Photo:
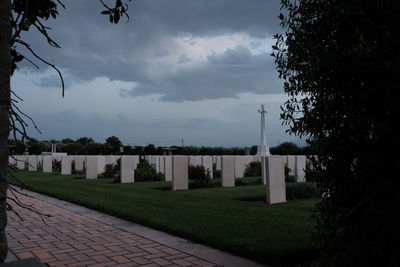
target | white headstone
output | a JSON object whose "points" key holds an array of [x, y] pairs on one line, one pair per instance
{"points": [[218, 163], [291, 164], [195, 160], [180, 174], [208, 164], [32, 163], [40, 159], [240, 164], [228, 171], [128, 164], [157, 163], [274, 175], [101, 164], [47, 164], [168, 168], [21, 161], [162, 164], [66, 165], [109, 160], [91, 167], [12, 161], [79, 162]]}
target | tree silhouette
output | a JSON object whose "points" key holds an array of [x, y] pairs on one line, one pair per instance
{"points": [[339, 60], [17, 17]]}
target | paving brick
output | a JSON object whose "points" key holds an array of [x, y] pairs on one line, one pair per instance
{"points": [[72, 239], [161, 261], [182, 262], [120, 259]]}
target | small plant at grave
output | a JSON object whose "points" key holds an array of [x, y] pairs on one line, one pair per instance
{"points": [[74, 171], [289, 178], [56, 166], [253, 169], [146, 172], [200, 176], [217, 173], [111, 171]]}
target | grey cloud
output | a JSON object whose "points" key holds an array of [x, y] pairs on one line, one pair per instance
{"points": [[184, 58], [54, 81], [92, 47], [226, 75]]}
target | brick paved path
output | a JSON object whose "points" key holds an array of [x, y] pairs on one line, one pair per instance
{"points": [[71, 239]]}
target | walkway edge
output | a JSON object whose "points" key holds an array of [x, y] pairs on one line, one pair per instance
{"points": [[201, 251]]}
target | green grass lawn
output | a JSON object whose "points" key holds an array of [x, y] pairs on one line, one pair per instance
{"points": [[277, 234]]}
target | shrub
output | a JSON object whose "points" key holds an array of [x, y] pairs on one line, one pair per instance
{"points": [[56, 166], [289, 178], [253, 169], [200, 176], [301, 190], [111, 170], [216, 173], [146, 172], [248, 181]]}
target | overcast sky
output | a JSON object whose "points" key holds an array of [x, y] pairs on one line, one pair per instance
{"points": [[196, 70]]}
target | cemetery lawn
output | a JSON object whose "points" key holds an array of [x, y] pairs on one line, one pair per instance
{"points": [[230, 219]]}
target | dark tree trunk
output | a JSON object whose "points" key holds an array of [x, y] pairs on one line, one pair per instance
{"points": [[5, 73]]}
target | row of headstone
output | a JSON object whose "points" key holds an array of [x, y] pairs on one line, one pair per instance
{"points": [[175, 168], [240, 162], [30, 162], [273, 173]]}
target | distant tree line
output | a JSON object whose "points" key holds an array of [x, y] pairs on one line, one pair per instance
{"points": [[113, 146]]}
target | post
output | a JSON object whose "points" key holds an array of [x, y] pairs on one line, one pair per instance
{"points": [[228, 171], [180, 173], [274, 175]]}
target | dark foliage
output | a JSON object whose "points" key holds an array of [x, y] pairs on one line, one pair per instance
{"points": [[56, 166], [111, 171], [201, 176], [253, 169], [146, 172], [340, 63], [216, 173]]}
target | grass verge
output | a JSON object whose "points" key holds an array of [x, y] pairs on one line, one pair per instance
{"points": [[277, 234]]}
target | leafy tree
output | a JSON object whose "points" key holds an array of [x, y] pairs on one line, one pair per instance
{"points": [[286, 148], [150, 149], [16, 17], [113, 145], [34, 147], [72, 148], [67, 141], [85, 140], [339, 60]]}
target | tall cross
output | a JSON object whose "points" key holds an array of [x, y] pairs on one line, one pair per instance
{"points": [[263, 112]]}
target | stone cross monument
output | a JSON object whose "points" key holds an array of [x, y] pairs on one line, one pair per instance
{"points": [[263, 148]]}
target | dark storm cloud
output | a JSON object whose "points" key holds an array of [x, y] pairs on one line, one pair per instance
{"points": [[92, 47], [226, 75]]}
